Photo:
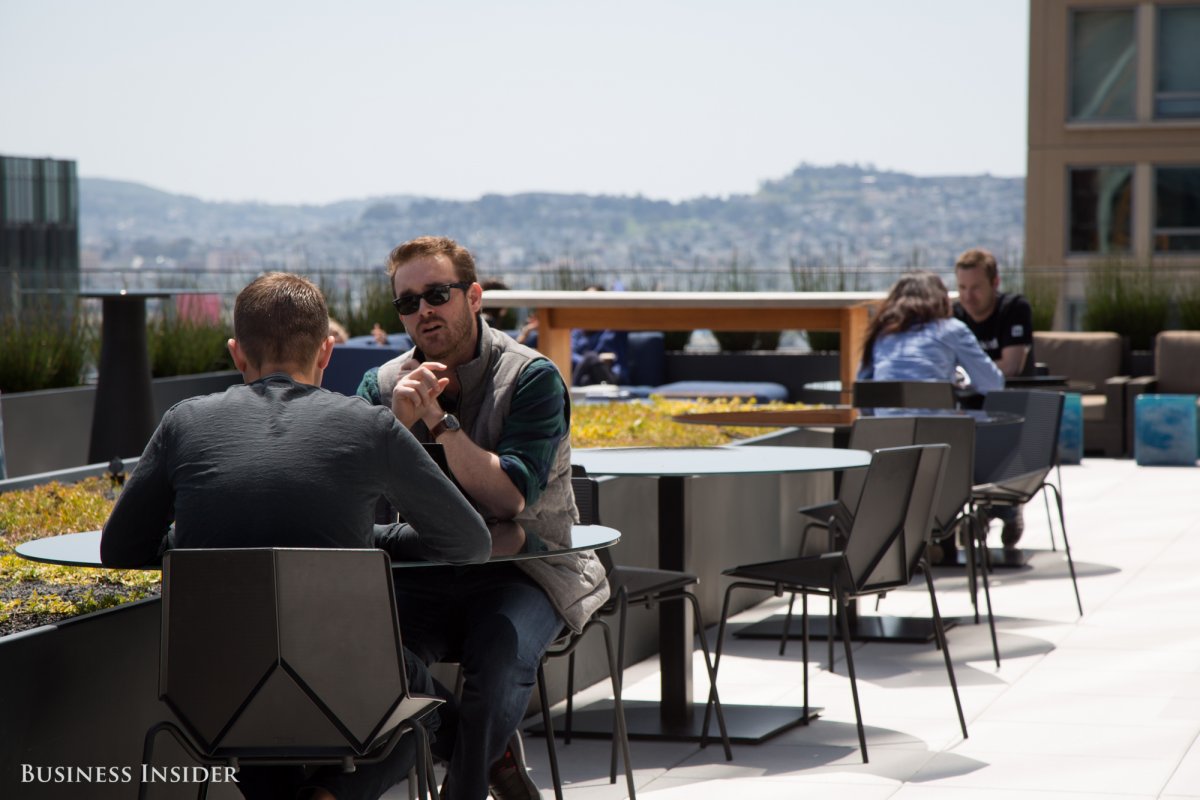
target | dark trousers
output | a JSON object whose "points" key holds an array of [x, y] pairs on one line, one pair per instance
{"points": [[497, 623]]}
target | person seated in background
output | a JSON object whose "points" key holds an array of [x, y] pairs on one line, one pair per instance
{"points": [[338, 331], [1003, 324], [502, 319], [528, 334], [280, 462], [913, 337], [598, 356]]}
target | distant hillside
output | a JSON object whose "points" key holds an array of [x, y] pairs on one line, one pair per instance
{"points": [[817, 217]]}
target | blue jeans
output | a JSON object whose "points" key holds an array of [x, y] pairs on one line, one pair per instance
{"points": [[497, 623]]}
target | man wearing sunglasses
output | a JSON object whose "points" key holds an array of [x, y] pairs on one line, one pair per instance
{"points": [[502, 413]]}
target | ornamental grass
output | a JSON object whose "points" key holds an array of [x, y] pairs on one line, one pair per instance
{"points": [[33, 594]]}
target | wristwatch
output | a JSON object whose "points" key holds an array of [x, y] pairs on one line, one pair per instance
{"points": [[447, 423]]}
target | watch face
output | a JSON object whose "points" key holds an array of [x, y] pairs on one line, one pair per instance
{"points": [[451, 422]]}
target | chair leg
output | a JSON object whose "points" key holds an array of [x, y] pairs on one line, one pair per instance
{"points": [[1062, 522], [940, 630], [620, 732], [972, 575], [708, 706], [622, 613], [570, 697], [847, 645], [981, 549], [1049, 524], [787, 625], [712, 677], [804, 647], [544, 699], [434, 793], [829, 623]]}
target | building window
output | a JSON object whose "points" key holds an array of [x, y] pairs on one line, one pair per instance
{"points": [[1177, 209], [1177, 78], [1100, 213], [1103, 56]]}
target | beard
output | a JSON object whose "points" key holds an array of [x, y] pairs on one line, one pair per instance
{"points": [[449, 336]]}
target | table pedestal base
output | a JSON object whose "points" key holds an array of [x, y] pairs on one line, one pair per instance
{"points": [[915, 630], [999, 558], [746, 724]]}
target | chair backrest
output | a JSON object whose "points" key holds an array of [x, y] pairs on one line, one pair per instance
{"points": [[587, 500], [959, 433], [271, 652], [873, 560], [904, 394], [1021, 464], [1176, 354], [872, 433], [1089, 356], [923, 502]]}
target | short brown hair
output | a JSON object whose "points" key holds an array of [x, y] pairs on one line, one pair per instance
{"points": [[978, 257], [460, 257], [280, 318]]}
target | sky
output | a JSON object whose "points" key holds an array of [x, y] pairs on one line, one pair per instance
{"points": [[314, 102]]}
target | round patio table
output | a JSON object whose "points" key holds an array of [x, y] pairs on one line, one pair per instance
{"points": [[511, 541], [676, 717]]}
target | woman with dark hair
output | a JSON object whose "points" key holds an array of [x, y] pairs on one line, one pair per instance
{"points": [[913, 337]]}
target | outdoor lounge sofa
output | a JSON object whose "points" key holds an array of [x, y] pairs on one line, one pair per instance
{"points": [[1093, 359]]}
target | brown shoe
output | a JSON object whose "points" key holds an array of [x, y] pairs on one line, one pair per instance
{"points": [[509, 777]]}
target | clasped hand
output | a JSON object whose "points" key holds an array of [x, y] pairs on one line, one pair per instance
{"points": [[415, 395]]}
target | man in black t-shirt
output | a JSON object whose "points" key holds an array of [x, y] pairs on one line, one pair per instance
{"points": [[1003, 324]]}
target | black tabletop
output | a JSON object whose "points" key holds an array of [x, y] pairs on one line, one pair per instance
{"points": [[511, 541]]}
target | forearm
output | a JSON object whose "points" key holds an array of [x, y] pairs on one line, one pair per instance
{"points": [[479, 473], [134, 531], [1012, 360]]}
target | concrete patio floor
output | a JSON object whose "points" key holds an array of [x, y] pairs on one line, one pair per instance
{"points": [[1107, 705]]}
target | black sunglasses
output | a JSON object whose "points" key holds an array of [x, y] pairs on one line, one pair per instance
{"points": [[407, 304]]}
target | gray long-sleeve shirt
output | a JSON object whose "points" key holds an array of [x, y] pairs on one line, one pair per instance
{"points": [[277, 463]]}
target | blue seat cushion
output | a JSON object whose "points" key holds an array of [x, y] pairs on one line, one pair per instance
{"points": [[350, 361], [762, 391]]}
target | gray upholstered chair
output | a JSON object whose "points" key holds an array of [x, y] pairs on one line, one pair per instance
{"points": [[1094, 358]]}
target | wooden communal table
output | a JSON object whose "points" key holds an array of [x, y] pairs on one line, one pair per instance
{"points": [[558, 312]]}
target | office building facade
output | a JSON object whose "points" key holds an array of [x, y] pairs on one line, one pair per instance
{"points": [[39, 227], [1114, 140]]}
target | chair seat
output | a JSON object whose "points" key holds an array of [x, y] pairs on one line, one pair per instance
{"points": [[1095, 407], [642, 582], [810, 572]]}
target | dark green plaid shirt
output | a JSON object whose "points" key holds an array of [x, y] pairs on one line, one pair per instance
{"points": [[537, 421]]}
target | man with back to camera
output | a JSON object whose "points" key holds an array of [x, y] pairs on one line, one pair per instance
{"points": [[1003, 324], [502, 412], [279, 462]]}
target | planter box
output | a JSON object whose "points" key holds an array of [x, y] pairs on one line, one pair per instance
{"points": [[82, 693], [51, 429]]}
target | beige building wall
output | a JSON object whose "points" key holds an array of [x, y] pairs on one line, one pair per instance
{"points": [[1057, 144]]}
